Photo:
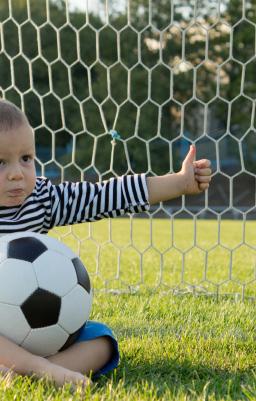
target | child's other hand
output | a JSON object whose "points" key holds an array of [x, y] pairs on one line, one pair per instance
{"points": [[196, 174], [8, 375], [60, 375], [4, 369]]}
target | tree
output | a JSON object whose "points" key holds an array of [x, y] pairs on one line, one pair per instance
{"points": [[129, 75]]}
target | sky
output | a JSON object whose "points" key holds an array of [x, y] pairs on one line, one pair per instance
{"points": [[93, 5], [81, 4], [115, 6], [97, 6]]}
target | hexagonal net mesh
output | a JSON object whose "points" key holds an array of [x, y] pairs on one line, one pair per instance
{"points": [[163, 74]]}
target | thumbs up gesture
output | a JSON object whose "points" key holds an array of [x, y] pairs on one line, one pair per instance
{"points": [[193, 178], [196, 174]]}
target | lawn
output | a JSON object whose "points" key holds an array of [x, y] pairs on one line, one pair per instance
{"points": [[173, 347], [212, 256]]}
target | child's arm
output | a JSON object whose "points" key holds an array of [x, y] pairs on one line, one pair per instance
{"points": [[23, 362], [193, 178], [80, 202]]}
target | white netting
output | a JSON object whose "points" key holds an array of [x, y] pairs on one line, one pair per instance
{"points": [[163, 74]]}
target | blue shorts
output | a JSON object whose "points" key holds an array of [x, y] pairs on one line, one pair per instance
{"points": [[92, 330]]}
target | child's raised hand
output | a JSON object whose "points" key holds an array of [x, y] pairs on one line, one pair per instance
{"points": [[197, 174], [193, 178]]}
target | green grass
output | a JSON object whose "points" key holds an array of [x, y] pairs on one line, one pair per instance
{"points": [[172, 347], [178, 254]]}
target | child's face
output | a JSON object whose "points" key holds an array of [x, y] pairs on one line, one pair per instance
{"points": [[17, 166]]}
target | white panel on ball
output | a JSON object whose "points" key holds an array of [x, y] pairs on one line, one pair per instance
{"points": [[17, 280], [6, 238], [45, 341], [70, 315], [58, 246], [3, 250], [54, 273], [13, 323]]}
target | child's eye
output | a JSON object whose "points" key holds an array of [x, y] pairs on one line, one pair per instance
{"points": [[27, 158], [2, 163]]}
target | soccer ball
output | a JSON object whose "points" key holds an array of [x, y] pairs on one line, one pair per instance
{"points": [[45, 293]]}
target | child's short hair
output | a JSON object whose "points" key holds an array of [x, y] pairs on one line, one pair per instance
{"points": [[10, 116]]}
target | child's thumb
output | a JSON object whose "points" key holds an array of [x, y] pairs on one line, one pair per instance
{"points": [[191, 156]]}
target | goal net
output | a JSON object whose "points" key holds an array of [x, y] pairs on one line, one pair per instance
{"points": [[163, 74]]}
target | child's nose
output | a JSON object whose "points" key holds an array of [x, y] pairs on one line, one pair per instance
{"points": [[15, 173]]}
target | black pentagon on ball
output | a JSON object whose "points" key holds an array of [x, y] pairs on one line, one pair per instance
{"points": [[25, 248], [82, 276], [41, 309]]}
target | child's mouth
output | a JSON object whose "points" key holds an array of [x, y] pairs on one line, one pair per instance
{"points": [[16, 192]]}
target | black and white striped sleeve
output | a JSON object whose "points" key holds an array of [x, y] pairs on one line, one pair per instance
{"points": [[83, 201]]}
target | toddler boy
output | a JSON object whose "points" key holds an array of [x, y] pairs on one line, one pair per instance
{"points": [[30, 203]]}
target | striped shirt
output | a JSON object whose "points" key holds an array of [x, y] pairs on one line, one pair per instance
{"points": [[70, 203]]}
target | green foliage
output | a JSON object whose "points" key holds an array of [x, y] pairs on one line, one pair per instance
{"points": [[139, 91]]}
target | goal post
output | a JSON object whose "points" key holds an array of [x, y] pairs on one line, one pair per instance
{"points": [[162, 75]]}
